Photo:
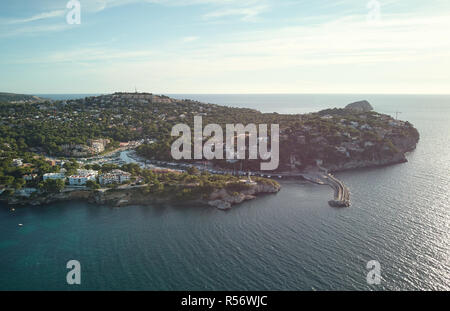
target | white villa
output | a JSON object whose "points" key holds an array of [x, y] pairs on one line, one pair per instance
{"points": [[54, 176], [82, 177], [29, 177], [17, 162], [114, 177]]}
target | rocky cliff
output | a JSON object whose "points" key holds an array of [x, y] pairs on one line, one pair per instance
{"points": [[221, 199], [342, 139], [402, 145], [366, 163], [224, 200]]}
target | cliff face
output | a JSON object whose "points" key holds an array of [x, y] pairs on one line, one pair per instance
{"points": [[365, 163], [119, 198], [403, 144], [342, 139], [50, 198], [221, 199]]}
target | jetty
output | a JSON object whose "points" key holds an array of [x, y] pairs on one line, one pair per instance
{"points": [[319, 176], [341, 192]]}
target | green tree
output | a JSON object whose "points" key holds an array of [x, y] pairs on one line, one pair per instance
{"points": [[192, 170], [91, 184], [18, 183], [53, 185], [6, 180]]}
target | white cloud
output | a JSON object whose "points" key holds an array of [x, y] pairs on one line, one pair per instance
{"points": [[86, 55], [33, 30], [246, 13], [247, 9], [189, 39], [403, 53], [346, 55], [40, 16]]}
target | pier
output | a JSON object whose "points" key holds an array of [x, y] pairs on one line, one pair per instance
{"points": [[341, 192], [319, 177]]}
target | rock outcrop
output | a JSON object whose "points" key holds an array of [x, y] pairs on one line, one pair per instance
{"points": [[220, 204], [361, 106], [221, 199]]}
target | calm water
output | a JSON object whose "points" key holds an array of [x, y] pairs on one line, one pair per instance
{"points": [[290, 241]]}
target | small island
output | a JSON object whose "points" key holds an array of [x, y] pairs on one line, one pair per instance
{"points": [[65, 150]]}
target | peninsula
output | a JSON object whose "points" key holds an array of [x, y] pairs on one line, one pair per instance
{"points": [[48, 148]]}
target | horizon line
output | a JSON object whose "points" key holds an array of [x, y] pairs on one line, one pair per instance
{"points": [[196, 93]]}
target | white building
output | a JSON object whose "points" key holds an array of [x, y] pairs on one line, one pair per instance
{"points": [[83, 172], [354, 124], [114, 177], [54, 176], [366, 127], [82, 177], [77, 180], [29, 177], [17, 162], [341, 149], [98, 147], [393, 123]]}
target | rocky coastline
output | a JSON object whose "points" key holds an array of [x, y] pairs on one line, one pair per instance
{"points": [[219, 198], [403, 145], [367, 163]]}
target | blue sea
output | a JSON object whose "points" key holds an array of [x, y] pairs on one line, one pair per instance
{"points": [[400, 216]]}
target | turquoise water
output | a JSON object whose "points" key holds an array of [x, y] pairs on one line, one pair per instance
{"points": [[290, 241]]}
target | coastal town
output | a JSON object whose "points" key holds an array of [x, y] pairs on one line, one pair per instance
{"points": [[97, 142]]}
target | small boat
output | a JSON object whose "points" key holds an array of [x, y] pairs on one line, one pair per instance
{"points": [[20, 225]]}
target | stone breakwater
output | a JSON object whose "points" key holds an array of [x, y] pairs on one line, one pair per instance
{"points": [[341, 192]]}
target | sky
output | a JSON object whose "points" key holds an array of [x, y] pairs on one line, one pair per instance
{"points": [[226, 46]]}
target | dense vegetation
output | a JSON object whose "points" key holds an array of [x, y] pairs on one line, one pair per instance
{"points": [[43, 128], [187, 185]]}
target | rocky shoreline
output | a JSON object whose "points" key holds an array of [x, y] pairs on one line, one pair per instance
{"points": [[220, 198], [359, 164]]}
